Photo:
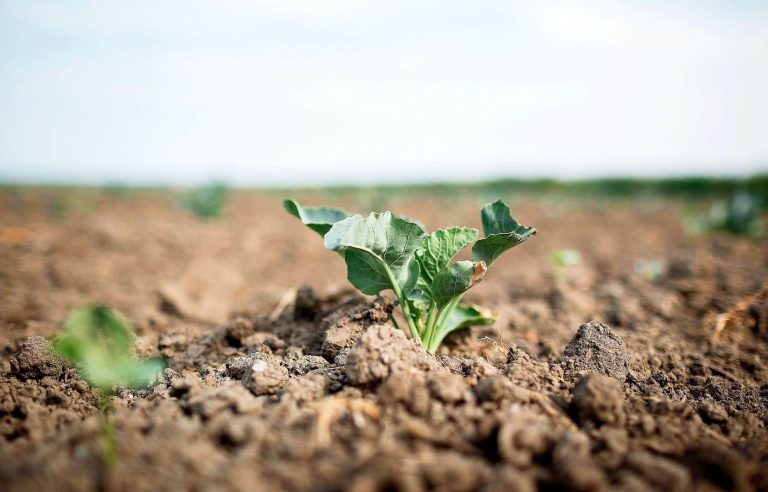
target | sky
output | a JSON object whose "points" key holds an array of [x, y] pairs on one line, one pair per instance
{"points": [[281, 92]]}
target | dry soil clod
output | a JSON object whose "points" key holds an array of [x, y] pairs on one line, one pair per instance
{"points": [[596, 347]]}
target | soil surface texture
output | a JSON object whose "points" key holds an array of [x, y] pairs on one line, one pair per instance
{"points": [[642, 367]]}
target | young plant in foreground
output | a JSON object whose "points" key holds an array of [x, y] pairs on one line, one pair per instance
{"points": [[100, 343], [383, 252]]}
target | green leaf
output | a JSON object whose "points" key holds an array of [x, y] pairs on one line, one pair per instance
{"points": [[379, 251], [456, 279], [501, 230], [462, 317], [466, 316], [319, 219], [100, 342], [95, 326], [441, 246], [421, 294]]}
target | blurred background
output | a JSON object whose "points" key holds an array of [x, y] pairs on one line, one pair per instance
{"points": [[145, 148], [264, 93]]}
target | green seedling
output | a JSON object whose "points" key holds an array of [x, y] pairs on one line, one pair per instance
{"points": [[564, 258], [650, 269], [206, 202], [383, 251], [100, 342], [740, 215]]}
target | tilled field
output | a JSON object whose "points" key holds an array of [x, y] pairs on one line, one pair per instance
{"points": [[643, 367]]}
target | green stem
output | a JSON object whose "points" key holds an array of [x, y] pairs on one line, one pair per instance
{"points": [[431, 320], [437, 335], [420, 325], [403, 302], [108, 439], [395, 322]]}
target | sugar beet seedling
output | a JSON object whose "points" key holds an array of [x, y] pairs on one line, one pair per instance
{"points": [[383, 251], [99, 341]]}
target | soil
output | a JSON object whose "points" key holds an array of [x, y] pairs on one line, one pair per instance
{"points": [[644, 367]]}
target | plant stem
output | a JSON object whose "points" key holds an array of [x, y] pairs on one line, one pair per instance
{"points": [[395, 322], [433, 330], [437, 335], [407, 313], [108, 439], [431, 320], [403, 302]]}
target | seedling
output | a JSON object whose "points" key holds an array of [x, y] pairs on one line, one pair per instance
{"points": [[650, 269], [740, 215], [383, 251], [563, 258], [206, 202], [99, 341]]}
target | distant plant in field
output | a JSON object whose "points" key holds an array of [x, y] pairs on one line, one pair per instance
{"points": [[564, 258], [649, 269], [100, 342], [206, 202], [739, 215], [383, 251]]}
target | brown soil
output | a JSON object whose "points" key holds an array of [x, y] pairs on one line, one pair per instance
{"points": [[597, 376]]}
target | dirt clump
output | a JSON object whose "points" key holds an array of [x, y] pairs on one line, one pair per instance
{"points": [[265, 375], [384, 350], [661, 473], [307, 304], [598, 399], [596, 347], [341, 329], [36, 359], [238, 330]]}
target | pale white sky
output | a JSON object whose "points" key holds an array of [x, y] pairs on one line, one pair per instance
{"points": [[313, 92]]}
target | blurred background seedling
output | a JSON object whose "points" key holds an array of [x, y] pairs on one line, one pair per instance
{"points": [[206, 202], [649, 269], [563, 258], [738, 215], [64, 203], [100, 342]]}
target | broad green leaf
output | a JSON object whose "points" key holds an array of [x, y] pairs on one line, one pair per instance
{"points": [[501, 230], [466, 316], [95, 326], [105, 372], [421, 294], [456, 279], [319, 219], [441, 246], [379, 251], [462, 317], [100, 342]]}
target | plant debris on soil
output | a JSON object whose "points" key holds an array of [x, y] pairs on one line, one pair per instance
{"points": [[598, 377]]}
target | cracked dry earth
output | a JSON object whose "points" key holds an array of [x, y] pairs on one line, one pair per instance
{"points": [[330, 396]]}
